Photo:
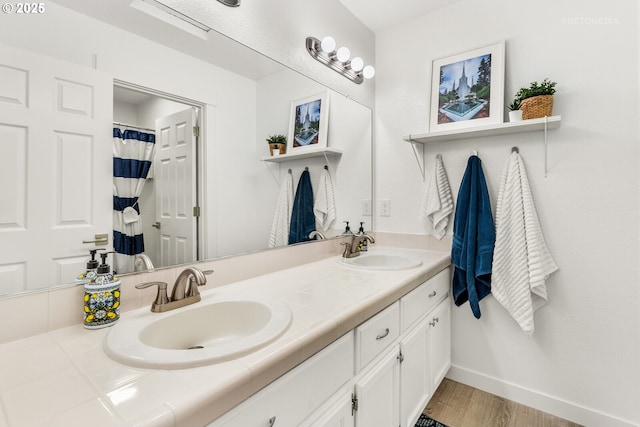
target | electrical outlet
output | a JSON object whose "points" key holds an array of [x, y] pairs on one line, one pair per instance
{"points": [[366, 207], [385, 207]]}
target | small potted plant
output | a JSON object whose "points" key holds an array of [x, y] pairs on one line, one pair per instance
{"points": [[277, 144], [515, 113], [536, 100]]}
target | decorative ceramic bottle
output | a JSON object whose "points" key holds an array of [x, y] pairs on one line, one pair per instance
{"points": [[102, 298]]}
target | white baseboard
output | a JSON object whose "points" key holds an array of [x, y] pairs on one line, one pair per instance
{"points": [[543, 402]]}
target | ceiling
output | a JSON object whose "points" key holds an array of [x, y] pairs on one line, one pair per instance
{"points": [[379, 15]]}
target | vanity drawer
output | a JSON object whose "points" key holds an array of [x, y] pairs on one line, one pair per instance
{"points": [[374, 335], [424, 298]]}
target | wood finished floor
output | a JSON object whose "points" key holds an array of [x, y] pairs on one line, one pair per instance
{"points": [[459, 405]]}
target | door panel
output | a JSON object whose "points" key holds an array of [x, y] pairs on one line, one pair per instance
{"points": [[55, 140], [175, 172]]}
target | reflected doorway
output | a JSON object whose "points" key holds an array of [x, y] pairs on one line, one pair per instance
{"points": [[169, 201]]}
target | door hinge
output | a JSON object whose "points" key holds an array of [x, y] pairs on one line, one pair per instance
{"points": [[196, 131], [401, 356], [196, 211], [354, 403]]}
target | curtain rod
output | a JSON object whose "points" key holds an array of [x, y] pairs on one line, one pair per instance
{"points": [[134, 127]]}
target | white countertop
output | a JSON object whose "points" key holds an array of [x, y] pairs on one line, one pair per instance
{"points": [[64, 378]]}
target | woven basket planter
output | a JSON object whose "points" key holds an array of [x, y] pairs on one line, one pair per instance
{"points": [[537, 107]]}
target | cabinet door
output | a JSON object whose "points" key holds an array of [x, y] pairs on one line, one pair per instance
{"points": [[440, 342], [415, 381], [338, 414], [377, 393]]}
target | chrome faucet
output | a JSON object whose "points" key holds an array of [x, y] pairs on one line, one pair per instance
{"points": [[144, 261], [185, 290], [352, 249], [315, 233]]}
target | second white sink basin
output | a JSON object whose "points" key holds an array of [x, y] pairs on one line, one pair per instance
{"points": [[216, 329], [381, 261]]}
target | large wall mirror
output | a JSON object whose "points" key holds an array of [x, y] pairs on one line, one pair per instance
{"points": [[96, 65]]}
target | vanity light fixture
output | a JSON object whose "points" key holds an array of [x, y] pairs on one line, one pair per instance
{"points": [[338, 60]]}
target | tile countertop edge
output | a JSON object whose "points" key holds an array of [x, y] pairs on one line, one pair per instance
{"points": [[192, 410]]}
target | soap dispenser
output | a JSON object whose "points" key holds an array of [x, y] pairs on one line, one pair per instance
{"points": [[363, 245], [347, 231], [102, 297], [92, 268]]}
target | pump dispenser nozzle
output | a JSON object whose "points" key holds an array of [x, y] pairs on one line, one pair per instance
{"points": [[92, 264], [347, 230], [104, 268]]}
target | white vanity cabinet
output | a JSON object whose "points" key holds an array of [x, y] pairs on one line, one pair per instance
{"points": [[395, 389], [382, 373], [294, 396]]}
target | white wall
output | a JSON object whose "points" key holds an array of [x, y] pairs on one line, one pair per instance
{"points": [[582, 362]]}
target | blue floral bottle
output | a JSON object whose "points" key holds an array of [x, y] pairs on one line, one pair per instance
{"points": [[102, 298]]}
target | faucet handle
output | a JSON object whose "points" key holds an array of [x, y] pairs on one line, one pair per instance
{"points": [[161, 296]]}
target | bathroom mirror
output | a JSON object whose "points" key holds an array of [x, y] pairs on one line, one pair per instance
{"points": [[245, 97]]}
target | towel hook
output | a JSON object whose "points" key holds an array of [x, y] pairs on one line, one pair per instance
{"points": [[306, 168], [515, 150], [438, 156], [289, 171], [326, 167]]}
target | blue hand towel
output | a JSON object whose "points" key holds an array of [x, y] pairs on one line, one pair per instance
{"points": [[303, 220], [474, 238]]}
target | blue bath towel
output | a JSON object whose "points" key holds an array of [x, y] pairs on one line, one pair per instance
{"points": [[474, 238], [303, 220]]}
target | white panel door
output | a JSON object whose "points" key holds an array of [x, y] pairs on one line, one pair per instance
{"points": [[175, 173], [56, 150]]}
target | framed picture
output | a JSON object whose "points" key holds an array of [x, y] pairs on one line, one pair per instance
{"points": [[308, 123], [467, 89]]}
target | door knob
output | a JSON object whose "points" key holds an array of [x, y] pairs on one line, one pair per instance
{"points": [[156, 225]]}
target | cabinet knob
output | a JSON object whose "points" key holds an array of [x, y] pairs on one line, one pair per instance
{"points": [[432, 323], [384, 334], [433, 294]]}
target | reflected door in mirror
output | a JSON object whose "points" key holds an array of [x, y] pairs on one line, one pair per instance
{"points": [[175, 170], [56, 149]]}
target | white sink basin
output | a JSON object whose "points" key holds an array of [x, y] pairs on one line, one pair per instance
{"points": [[381, 261], [216, 329]]}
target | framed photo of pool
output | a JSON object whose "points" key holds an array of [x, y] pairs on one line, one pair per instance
{"points": [[467, 89], [308, 123]]}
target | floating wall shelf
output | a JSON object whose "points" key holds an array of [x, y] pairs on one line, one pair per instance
{"points": [[530, 125], [304, 155]]}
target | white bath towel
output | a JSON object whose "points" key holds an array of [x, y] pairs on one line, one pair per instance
{"points": [[437, 204], [324, 207], [279, 235], [521, 260]]}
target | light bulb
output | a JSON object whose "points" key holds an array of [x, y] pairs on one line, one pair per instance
{"points": [[368, 72], [343, 54], [328, 44], [357, 63]]}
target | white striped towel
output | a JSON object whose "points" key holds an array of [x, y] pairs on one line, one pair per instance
{"points": [[521, 260], [437, 204], [279, 235], [324, 208]]}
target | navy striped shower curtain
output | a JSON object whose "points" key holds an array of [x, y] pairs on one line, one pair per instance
{"points": [[132, 156]]}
